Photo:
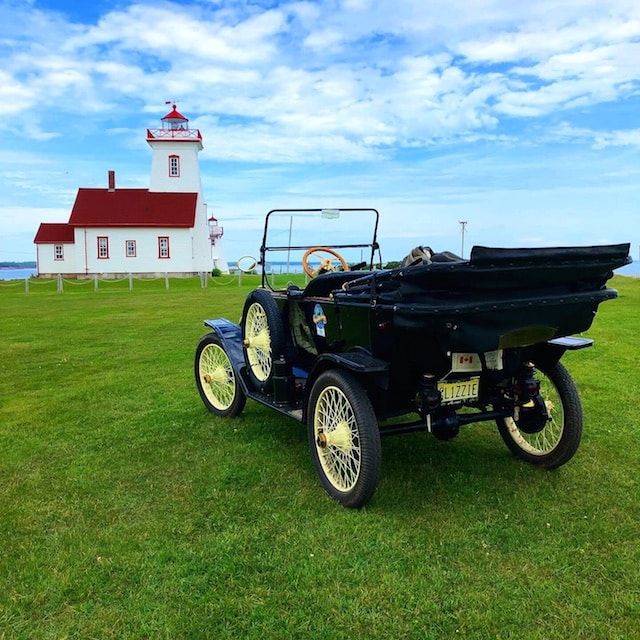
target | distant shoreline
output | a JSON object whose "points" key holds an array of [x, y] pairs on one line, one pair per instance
{"points": [[17, 265]]}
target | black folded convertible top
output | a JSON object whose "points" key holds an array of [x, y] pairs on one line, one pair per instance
{"points": [[499, 297], [492, 268], [609, 253]]}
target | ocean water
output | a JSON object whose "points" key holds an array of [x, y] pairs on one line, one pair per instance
{"points": [[280, 267], [632, 269], [16, 274]]}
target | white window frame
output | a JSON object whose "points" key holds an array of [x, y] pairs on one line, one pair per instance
{"points": [[174, 166], [163, 248], [103, 247]]}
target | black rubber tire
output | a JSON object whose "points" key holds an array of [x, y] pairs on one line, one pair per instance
{"points": [[558, 441], [261, 313], [216, 380], [349, 460]]}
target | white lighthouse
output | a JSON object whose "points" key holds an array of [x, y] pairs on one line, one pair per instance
{"points": [[164, 229], [175, 168]]}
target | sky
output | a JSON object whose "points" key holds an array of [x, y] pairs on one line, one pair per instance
{"points": [[521, 119]]}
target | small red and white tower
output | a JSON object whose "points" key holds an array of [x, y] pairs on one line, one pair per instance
{"points": [[175, 168], [215, 236]]}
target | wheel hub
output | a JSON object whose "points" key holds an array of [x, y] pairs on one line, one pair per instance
{"points": [[259, 341], [533, 416], [219, 375], [340, 437]]}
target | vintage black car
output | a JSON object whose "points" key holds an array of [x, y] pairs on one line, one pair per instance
{"points": [[447, 340]]}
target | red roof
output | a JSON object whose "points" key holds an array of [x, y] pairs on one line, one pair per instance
{"points": [[133, 208], [54, 232], [175, 114]]}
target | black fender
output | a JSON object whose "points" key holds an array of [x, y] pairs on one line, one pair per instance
{"points": [[372, 372]]}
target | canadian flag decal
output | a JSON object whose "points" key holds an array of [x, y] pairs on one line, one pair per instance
{"points": [[465, 362]]}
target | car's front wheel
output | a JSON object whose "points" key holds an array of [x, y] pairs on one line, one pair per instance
{"points": [[262, 337], [217, 383]]}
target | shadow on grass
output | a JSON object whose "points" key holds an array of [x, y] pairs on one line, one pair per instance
{"points": [[417, 470], [473, 470]]}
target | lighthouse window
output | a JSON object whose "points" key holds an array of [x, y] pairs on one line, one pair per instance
{"points": [[163, 247], [58, 252], [103, 247], [174, 166], [130, 248]]}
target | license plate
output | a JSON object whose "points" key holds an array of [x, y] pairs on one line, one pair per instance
{"points": [[459, 391]]}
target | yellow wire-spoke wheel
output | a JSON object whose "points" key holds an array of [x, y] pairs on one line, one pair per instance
{"points": [[257, 342], [344, 438], [337, 439], [556, 443], [262, 337], [216, 379]]}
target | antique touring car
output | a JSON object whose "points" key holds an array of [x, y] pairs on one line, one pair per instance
{"points": [[360, 348]]}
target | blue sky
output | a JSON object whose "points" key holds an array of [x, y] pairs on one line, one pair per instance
{"points": [[521, 118]]}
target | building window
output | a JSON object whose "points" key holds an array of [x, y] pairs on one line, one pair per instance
{"points": [[174, 166], [163, 246], [103, 247], [58, 252], [130, 248]]}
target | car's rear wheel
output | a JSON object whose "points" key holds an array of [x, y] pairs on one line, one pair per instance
{"points": [[344, 438], [557, 441], [216, 381], [262, 337]]}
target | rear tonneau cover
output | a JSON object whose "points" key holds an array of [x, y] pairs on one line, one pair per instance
{"points": [[498, 298]]}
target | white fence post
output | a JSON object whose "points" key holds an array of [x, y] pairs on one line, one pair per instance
{"points": [[166, 280], [95, 282], [60, 289], [130, 282], [26, 285]]}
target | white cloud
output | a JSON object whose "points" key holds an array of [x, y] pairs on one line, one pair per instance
{"points": [[262, 144], [325, 40], [394, 88], [599, 140], [170, 35], [629, 138]]}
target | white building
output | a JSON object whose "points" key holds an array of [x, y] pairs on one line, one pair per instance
{"points": [[145, 232]]}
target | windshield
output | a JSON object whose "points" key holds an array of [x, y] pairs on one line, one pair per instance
{"points": [[289, 234]]}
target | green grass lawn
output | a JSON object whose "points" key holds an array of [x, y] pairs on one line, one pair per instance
{"points": [[128, 511]]}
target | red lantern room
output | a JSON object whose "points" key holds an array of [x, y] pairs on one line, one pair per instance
{"points": [[175, 120]]}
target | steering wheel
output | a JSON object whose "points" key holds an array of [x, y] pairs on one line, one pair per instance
{"points": [[326, 263]]}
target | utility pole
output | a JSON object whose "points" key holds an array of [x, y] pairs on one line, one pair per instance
{"points": [[463, 224], [289, 249]]}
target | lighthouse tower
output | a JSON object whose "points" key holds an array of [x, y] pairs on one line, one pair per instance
{"points": [[175, 168]]}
